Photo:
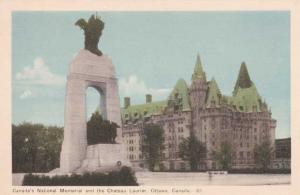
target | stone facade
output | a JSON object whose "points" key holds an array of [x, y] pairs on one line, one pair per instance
{"points": [[243, 120]]}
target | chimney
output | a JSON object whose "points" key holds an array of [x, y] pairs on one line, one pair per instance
{"points": [[126, 102], [148, 98]]}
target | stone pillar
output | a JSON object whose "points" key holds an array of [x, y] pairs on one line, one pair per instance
{"points": [[75, 141], [113, 106]]}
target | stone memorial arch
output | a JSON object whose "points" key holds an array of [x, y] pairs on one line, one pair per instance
{"points": [[90, 68], [87, 70]]}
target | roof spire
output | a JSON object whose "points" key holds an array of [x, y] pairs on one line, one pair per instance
{"points": [[243, 80], [198, 70]]}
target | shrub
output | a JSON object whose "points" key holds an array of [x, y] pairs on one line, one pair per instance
{"points": [[124, 177]]}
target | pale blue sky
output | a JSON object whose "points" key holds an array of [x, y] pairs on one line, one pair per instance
{"points": [[150, 50]]}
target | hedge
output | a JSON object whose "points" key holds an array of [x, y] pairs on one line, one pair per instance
{"points": [[124, 177], [260, 171]]}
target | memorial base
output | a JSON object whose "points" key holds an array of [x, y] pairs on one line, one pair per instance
{"points": [[103, 158]]}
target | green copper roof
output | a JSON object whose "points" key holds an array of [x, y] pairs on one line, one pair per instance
{"points": [[143, 110], [246, 99], [180, 95], [213, 93], [245, 96], [198, 70], [243, 80]]}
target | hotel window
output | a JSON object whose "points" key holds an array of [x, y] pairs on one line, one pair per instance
{"points": [[241, 154], [248, 154]]}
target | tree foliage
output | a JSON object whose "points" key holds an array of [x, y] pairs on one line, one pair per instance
{"points": [[35, 147], [153, 145], [100, 131], [192, 150], [263, 154], [224, 155]]}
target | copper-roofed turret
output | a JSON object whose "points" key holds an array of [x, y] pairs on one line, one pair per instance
{"points": [[198, 70], [213, 95], [243, 80]]}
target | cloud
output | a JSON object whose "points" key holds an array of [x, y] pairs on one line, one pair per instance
{"points": [[40, 74], [135, 87], [26, 94]]}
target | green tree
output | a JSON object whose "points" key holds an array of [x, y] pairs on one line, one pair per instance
{"points": [[153, 145], [263, 155], [35, 147], [224, 155], [100, 131], [192, 150]]}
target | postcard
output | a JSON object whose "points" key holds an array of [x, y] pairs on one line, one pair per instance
{"points": [[160, 97]]}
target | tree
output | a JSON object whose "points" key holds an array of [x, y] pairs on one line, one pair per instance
{"points": [[193, 150], [153, 145], [100, 131], [35, 147], [224, 155], [263, 154]]}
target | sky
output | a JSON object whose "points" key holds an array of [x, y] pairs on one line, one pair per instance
{"points": [[150, 51]]}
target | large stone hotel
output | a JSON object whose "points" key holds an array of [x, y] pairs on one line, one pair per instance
{"points": [[242, 119]]}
